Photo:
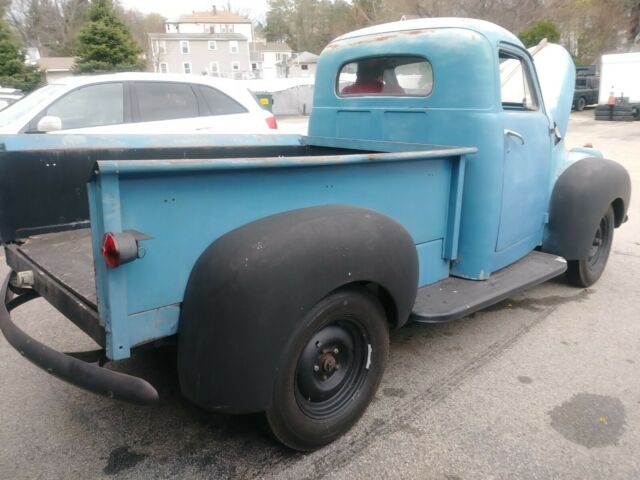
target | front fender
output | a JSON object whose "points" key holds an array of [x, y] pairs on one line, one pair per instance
{"points": [[580, 198], [250, 289]]}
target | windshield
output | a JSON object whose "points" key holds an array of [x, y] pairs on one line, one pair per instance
{"points": [[14, 112]]}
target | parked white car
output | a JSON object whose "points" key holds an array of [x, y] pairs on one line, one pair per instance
{"points": [[9, 96], [138, 103]]}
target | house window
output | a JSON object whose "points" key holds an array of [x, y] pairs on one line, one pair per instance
{"points": [[212, 45], [212, 29], [184, 46], [254, 66], [235, 66], [162, 46], [186, 67], [233, 46], [164, 67], [214, 69], [304, 67]]}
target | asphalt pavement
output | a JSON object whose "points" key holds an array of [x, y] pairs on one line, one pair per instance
{"points": [[545, 385]]}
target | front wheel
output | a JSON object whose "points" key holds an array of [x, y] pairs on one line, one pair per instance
{"points": [[334, 364], [586, 271], [580, 104]]}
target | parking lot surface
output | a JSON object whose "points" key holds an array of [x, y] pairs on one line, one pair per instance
{"points": [[544, 385]]}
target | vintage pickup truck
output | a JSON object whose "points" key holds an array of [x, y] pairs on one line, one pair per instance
{"points": [[434, 182]]}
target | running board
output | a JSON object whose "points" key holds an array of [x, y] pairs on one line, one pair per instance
{"points": [[454, 297]]}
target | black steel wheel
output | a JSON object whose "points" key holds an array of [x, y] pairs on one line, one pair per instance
{"points": [[580, 104], [332, 370], [586, 271]]}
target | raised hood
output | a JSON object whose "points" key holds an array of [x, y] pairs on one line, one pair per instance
{"points": [[557, 76]]}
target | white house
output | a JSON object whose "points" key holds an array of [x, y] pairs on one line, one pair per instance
{"points": [[212, 21], [303, 65], [212, 43], [269, 59]]}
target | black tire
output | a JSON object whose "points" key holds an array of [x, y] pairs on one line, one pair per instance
{"points": [[635, 111], [586, 271], [580, 104], [335, 363]]}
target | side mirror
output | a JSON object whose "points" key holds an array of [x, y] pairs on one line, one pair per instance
{"points": [[49, 123]]}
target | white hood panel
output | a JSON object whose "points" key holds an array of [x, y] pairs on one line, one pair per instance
{"points": [[557, 76]]}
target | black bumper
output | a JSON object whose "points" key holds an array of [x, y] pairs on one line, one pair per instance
{"points": [[66, 367]]}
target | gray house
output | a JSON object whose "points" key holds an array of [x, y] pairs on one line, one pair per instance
{"points": [[217, 54]]}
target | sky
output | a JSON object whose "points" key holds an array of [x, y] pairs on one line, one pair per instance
{"points": [[254, 9]]}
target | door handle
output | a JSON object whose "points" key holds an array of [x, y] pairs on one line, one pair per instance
{"points": [[513, 133]]}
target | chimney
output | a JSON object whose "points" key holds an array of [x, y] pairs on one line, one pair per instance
{"points": [[214, 9]]}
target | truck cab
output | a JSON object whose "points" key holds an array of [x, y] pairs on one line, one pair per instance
{"points": [[480, 89], [434, 182]]}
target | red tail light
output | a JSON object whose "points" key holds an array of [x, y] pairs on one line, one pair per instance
{"points": [[119, 248], [271, 122], [110, 251]]}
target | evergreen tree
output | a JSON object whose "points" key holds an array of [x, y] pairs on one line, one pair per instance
{"points": [[13, 71], [542, 29], [105, 43]]}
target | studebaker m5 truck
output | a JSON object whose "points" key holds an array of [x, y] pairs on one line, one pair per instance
{"points": [[434, 182]]}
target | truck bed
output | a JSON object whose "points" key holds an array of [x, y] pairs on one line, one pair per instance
{"points": [[67, 257], [63, 273]]}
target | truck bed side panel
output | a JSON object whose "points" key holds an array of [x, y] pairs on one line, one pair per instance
{"points": [[184, 209]]}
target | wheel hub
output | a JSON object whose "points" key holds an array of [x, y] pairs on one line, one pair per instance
{"points": [[598, 241], [330, 367], [328, 363]]}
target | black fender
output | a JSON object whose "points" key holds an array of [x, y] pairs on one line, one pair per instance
{"points": [[580, 198], [250, 289]]}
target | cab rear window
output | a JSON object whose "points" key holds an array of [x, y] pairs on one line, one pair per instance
{"points": [[403, 76]]}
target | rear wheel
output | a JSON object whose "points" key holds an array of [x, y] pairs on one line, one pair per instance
{"points": [[580, 104], [334, 366], [586, 271]]}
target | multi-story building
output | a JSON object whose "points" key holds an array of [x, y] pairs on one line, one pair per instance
{"points": [[204, 43], [269, 59]]}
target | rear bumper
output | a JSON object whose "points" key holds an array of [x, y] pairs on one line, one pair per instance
{"points": [[66, 367]]}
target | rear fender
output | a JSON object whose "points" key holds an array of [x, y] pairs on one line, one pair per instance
{"points": [[250, 289]]}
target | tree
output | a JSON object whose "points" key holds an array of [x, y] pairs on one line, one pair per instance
{"points": [[52, 26], [105, 43], [308, 25], [141, 24], [13, 71], [542, 29]]}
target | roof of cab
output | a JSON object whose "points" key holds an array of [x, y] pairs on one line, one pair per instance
{"points": [[494, 33]]}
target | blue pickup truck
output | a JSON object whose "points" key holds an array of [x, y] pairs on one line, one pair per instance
{"points": [[434, 182]]}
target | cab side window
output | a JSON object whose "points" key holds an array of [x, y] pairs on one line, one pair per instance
{"points": [[515, 83], [90, 106]]}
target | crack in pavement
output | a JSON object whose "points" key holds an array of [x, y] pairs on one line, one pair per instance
{"points": [[336, 455]]}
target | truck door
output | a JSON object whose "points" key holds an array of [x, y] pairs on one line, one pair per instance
{"points": [[527, 149]]}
